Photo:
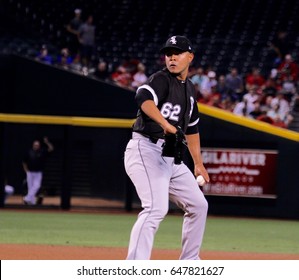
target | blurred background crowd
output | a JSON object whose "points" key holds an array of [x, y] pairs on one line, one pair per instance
{"points": [[246, 51]]}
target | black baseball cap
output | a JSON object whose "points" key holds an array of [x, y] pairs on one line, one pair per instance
{"points": [[178, 42]]}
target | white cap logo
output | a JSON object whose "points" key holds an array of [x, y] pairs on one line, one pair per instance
{"points": [[173, 40]]}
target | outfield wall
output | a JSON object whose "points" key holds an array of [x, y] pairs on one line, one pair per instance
{"points": [[40, 100], [220, 130]]}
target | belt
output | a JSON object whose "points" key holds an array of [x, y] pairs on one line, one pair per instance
{"points": [[154, 140]]}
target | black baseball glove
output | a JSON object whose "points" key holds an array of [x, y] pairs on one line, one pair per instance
{"points": [[174, 145]]}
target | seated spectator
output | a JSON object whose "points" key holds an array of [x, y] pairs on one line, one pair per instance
{"points": [[252, 96], [235, 82], [255, 78], [276, 116], [122, 77], [44, 56], [102, 72], [139, 78], [266, 103], [280, 111], [131, 65], [277, 108], [288, 87], [213, 99], [284, 105], [257, 111], [288, 67], [243, 108], [270, 87], [198, 79], [225, 91], [64, 60], [76, 65], [207, 84], [227, 105]]}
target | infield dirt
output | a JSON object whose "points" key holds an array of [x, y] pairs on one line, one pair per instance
{"points": [[49, 252]]}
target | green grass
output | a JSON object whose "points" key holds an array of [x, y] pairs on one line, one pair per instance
{"points": [[222, 234], [252, 235], [64, 229]]}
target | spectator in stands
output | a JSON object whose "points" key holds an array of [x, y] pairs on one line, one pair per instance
{"points": [[235, 82], [44, 56], [214, 98], [277, 118], [288, 67], [252, 96], [267, 103], [265, 106], [139, 78], [283, 109], [86, 36], [207, 84], [131, 65], [270, 87], [243, 108], [73, 29], [102, 72], [76, 65], [288, 87], [255, 78], [64, 60], [226, 93], [198, 79], [122, 77], [257, 111]]}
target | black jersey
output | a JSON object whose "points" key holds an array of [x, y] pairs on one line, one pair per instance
{"points": [[175, 99], [35, 159]]}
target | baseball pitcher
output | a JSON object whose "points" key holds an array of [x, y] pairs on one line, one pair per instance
{"points": [[167, 124]]}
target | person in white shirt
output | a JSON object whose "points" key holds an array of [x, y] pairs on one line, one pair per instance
{"points": [[139, 78]]}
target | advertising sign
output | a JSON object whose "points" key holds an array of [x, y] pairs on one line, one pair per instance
{"points": [[240, 172]]}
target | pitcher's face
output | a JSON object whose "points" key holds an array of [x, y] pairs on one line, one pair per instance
{"points": [[177, 62]]}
